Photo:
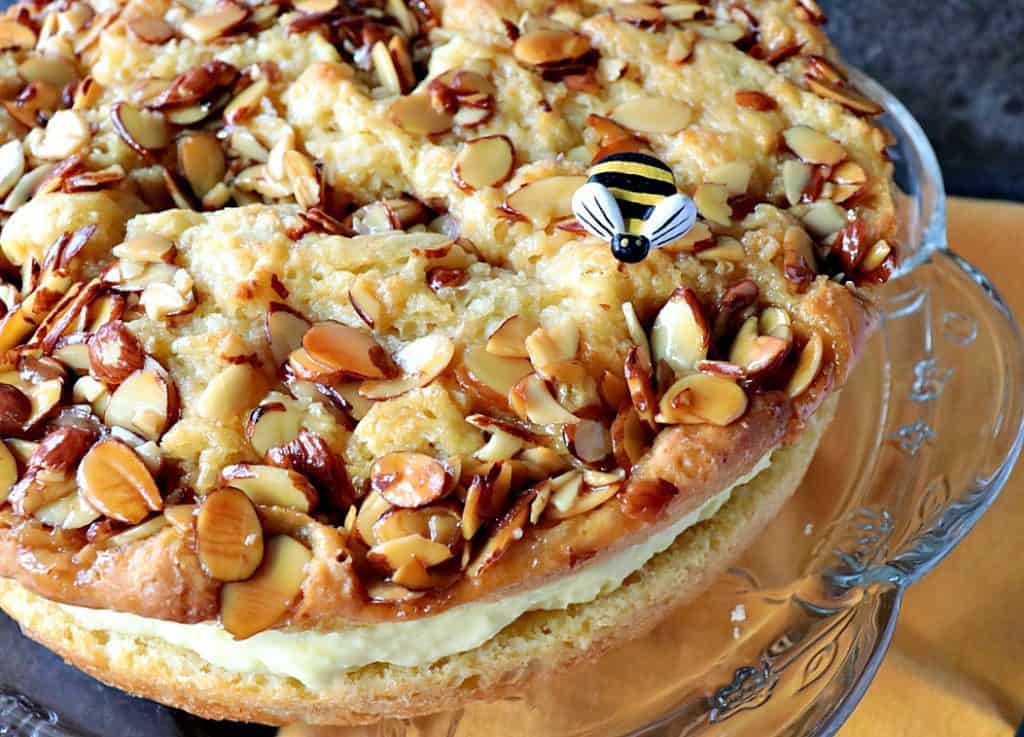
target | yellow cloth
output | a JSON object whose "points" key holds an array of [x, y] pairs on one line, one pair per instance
{"points": [[956, 666]]}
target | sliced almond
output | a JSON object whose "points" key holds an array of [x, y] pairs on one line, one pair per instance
{"points": [[712, 202], [44, 398], [66, 134], [587, 440], [8, 471], [553, 345], [755, 100], [363, 298], [229, 536], [509, 339], [491, 376], [586, 499], [232, 391], [640, 382], [775, 321], [114, 480], [71, 512], [145, 131], [875, 256], [546, 200], [251, 606], [795, 176], [398, 552], [204, 27], [272, 424], [631, 437], [347, 351], [680, 335], [409, 479], [703, 398], [148, 248], [415, 114], [734, 176], [808, 366], [814, 147], [823, 218], [500, 446], [115, 353], [754, 353], [15, 35], [653, 115], [371, 510], [15, 409], [151, 28], [548, 46], [201, 160], [798, 262], [271, 486], [285, 329], [145, 403], [12, 165], [421, 361], [726, 249], [531, 399], [484, 162], [507, 532], [846, 96], [727, 32], [640, 15]]}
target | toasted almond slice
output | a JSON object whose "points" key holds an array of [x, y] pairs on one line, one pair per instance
{"points": [[726, 249], [271, 486], [756, 100], [71, 512], [814, 147], [114, 480], [145, 131], [398, 552], [363, 298], [230, 392], [587, 440], [823, 218], [585, 500], [408, 479], [229, 536], [637, 334], [808, 366], [509, 339], [372, 508], [44, 398], [147, 248], [846, 96], [703, 398], [181, 516], [115, 353], [775, 321], [531, 399], [849, 172], [147, 529], [499, 447], [415, 114], [15, 35], [285, 330], [8, 472], [421, 361], [630, 437], [734, 176], [548, 46], [545, 200], [271, 425], [613, 390], [438, 523], [145, 403], [640, 382], [551, 346], [15, 409], [347, 351], [653, 115], [12, 165], [795, 176], [484, 162], [251, 606], [875, 256], [712, 202], [509, 529], [202, 161], [204, 27], [754, 353], [680, 335], [151, 28], [640, 15], [66, 134], [474, 111], [492, 376]]}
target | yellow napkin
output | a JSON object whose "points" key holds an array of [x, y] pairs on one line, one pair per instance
{"points": [[956, 666]]}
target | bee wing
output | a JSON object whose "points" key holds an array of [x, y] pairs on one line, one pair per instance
{"points": [[597, 211], [671, 219]]}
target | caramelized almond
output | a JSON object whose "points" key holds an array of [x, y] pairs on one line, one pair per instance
{"points": [[703, 398], [229, 536], [509, 338], [653, 115], [114, 480], [755, 353], [680, 335], [408, 479], [251, 606], [347, 351], [271, 486], [144, 131], [506, 533], [146, 403], [808, 366], [545, 200], [421, 361], [549, 46], [115, 353], [484, 162], [15, 409], [531, 399], [285, 330], [814, 147]]}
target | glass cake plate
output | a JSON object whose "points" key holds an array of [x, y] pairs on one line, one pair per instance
{"points": [[785, 644]]}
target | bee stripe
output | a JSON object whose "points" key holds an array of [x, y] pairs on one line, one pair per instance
{"points": [[630, 183], [634, 226], [633, 210], [640, 198], [630, 168]]}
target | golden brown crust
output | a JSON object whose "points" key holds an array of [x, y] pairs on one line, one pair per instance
{"points": [[538, 644]]}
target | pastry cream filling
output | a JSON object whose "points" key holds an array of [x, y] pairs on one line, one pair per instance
{"points": [[315, 657]]}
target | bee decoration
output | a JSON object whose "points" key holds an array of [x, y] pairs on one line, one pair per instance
{"points": [[630, 200]]}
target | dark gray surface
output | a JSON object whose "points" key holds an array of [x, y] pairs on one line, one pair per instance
{"points": [[959, 67]]}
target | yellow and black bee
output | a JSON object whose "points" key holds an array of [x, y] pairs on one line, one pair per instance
{"points": [[631, 200]]}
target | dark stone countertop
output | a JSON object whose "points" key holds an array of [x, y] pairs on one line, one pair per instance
{"points": [[959, 66]]}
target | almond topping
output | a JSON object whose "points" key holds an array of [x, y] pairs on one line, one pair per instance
{"points": [[147, 248], [364, 300], [734, 176], [795, 176], [845, 96], [680, 335], [712, 202], [640, 15], [115, 353], [12, 165], [548, 347], [421, 361], [66, 134], [8, 472], [640, 381], [114, 480], [631, 437], [348, 351], [272, 424], [875, 256], [71, 512], [271, 486], [398, 552], [808, 366], [201, 161], [756, 354], [14, 35], [703, 398], [408, 479], [145, 131], [415, 114], [546, 200], [754, 100], [508, 530], [204, 27], [587, 440], [229, 536], [814, 147], [230, 392], [653, 115], [371, 510], [484, 162], [509, 339], [586, 499], [532, 400], [145, 403], [15, 409], [285, 329], [492, 376], [549, 46], [249, 607], [823, 218], [151, 28]]}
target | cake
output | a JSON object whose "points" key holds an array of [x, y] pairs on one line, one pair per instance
{"points": [[318, 402]]}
